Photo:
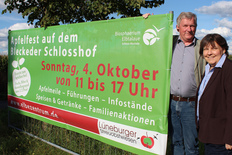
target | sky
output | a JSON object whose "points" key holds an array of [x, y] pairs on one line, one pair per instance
{"points": [[213, 16]]}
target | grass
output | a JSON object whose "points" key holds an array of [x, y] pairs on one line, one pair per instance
{"points": [[13, 142]]}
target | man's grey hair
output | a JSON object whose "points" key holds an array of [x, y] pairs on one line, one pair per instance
{"points": [[188, 15]]}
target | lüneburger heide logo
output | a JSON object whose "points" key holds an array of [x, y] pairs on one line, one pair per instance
{"points": [[150, 35], [116, 129]]}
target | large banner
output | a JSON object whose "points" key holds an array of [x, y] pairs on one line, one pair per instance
{"points": [[109, 80]]}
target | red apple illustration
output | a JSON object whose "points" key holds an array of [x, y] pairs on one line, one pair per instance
{"points": [[147, 141], [21, 78]]}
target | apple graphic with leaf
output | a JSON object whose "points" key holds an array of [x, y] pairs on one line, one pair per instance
{"points": [[147, 141], [21, 78]]}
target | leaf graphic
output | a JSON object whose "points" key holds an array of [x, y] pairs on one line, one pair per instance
{"points": [[21, 61], [15, 64]]}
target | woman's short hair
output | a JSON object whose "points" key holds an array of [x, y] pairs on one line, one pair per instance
{"points": [[212, 39]]}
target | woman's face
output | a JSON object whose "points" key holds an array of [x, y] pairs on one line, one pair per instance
{"points": [[213, 54]]}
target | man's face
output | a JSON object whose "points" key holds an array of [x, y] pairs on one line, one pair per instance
{"points": [[187, 30]]}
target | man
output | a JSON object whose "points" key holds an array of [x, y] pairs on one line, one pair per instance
{"points": [[186, 71]]}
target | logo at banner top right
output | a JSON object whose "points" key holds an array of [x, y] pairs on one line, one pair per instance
{"points": [[150, 36]]}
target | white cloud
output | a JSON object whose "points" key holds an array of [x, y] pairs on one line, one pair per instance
{"points": [[3, 52], [224, 22], [3, 46], [20, 26], [222, 8], [4, 35], [224, 31], [2, 5], [230, 47]]}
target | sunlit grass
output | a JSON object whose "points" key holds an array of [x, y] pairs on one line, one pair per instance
{"points": [[13, 142]]}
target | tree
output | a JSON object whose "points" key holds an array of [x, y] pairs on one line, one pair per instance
{"points": [[230, 57], [43, 13], [3, 76]]}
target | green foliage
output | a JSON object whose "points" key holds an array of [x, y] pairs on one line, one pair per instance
{"points": [[42, 13], [230, 57], [3, 76], [3, 63]]}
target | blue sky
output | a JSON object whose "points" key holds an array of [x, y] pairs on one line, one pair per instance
{"points": [[214, 16]]}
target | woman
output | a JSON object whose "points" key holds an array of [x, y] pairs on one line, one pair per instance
{"points": [[214, 106]]}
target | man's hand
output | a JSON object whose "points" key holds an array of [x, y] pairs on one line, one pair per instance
{"points": [[146, 15]]}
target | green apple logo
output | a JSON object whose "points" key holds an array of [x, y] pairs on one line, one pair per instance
{"points": [[21, 78], [147, 141], [150, 36]]}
